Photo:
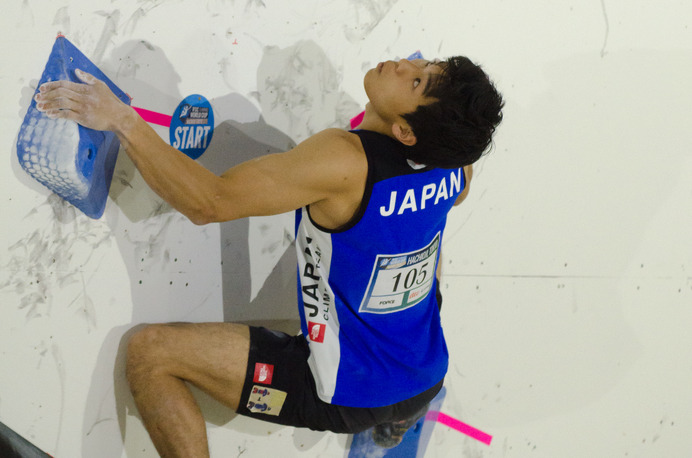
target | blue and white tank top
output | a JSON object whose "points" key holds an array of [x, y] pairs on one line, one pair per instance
{"points": [[366, 291]]}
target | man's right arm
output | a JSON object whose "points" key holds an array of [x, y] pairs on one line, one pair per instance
{"points": [[321, 169]]}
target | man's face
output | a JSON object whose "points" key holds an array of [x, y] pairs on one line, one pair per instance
{"points": [[397, 88]]}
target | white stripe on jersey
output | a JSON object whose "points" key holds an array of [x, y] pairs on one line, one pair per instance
{"points": [[314, 250]]}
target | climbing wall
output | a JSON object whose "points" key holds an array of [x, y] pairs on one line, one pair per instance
{"points": [[567, 273]]}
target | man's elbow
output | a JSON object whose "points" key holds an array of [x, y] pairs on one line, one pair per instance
{"points": [[210, 212], [199, 219], [206, 215], [462, 196], [468, 174], [200, 213]]}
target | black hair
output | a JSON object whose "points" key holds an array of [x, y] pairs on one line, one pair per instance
{"points": [[456, 129]]}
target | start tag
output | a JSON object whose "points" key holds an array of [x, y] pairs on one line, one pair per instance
{"points": [[192, 126]]}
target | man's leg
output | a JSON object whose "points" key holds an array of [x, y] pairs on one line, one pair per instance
{"points": [[390, 434], [161, 358]]}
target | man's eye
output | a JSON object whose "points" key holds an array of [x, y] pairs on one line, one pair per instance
{"points": [[416, 82]]}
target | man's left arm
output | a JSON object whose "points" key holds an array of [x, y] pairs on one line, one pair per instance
{"points": [[468, 174]]}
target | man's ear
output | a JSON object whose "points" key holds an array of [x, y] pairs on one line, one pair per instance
{"points": [[404, 134]]}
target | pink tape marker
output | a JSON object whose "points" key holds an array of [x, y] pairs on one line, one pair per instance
{"points": [[356, 120], [154, 117], [459, 426]]}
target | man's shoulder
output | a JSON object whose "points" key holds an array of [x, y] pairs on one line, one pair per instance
{"points": [[334, 148], [338, 139], [333, 154], [334, 161]]}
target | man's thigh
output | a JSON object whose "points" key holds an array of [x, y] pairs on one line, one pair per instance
{"points": [[211, 356]]}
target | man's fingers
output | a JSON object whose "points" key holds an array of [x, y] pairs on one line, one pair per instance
{"points": [[61, 108], [53, 85], [65, 114], [79, 88], [60, 103], [90, 102], [86, 77], [59, 94]]}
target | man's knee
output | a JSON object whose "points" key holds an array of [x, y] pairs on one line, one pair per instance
{"points": [[145, 350]]}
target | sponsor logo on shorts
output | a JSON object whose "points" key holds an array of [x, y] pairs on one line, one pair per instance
{"points": [[264, 400], [263, 373], [316, 331]]}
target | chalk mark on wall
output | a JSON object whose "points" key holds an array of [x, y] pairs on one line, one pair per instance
{"points": [[60, 367], [45, 260], [284, 76], [109, 30], [131, 23], [369, 13], [607, 28], [257, 3], [62, 20], [27, 15]]}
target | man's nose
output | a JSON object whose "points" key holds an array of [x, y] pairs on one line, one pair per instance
{"points": [[405, 65]]}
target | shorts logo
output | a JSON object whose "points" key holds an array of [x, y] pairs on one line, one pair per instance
{"points": [[263, 373], [268, 401], [316, 331]]}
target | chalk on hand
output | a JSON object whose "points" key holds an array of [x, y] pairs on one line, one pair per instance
{"points": [[74, 162]]}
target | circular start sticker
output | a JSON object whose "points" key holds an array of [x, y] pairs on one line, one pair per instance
{"points": [[192, 126]]}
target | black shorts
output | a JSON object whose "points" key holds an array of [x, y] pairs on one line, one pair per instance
{"points": [[279, 388]]}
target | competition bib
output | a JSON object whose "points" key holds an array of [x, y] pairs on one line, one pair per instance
{"points": [[402, 280]]}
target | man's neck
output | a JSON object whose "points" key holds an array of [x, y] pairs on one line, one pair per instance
{"points": [[373, 122]]}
